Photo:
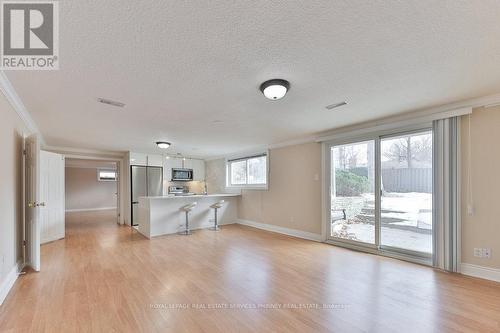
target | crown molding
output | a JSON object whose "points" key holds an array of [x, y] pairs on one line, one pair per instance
{"points": [[426, 114], [262, 148], [17, 104]]}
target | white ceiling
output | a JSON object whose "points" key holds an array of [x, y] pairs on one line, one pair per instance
{"points": [[182, 67]]}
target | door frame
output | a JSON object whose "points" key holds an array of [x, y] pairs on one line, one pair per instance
{"points": [[120, 184], [376, 248]]}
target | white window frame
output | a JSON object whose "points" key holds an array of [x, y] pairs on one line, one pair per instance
{"points": [[106, 170], [242, 158]]}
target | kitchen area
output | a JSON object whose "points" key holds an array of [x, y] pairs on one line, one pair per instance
{"points": [[161, 186]]}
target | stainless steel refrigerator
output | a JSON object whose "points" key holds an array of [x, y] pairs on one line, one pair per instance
{"points": [[144, 181]]}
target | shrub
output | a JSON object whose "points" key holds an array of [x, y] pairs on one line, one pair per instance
{"points": [[349, 184]]}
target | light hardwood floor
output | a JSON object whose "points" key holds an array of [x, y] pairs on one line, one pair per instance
{"points": [[108, 278]]}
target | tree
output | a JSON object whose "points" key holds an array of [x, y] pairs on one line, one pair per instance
{"points": [[347, 157], [410, 149]]}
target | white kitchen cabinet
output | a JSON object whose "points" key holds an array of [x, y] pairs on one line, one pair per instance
{"points": [[188, 163], [146, 159], [155, 160], [138, 159], [170, 163], [198, 167], [176, 163]]}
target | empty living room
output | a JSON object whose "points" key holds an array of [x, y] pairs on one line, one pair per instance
{"points": [[249, 166]]}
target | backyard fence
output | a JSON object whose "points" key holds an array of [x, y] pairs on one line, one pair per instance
{"points": [[407, 180]]}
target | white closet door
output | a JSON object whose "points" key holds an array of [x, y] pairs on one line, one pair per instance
{"points": [[52, 194], [33, 204]]}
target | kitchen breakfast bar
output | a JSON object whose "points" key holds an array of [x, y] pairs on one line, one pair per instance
{"points": [[162, 215]]}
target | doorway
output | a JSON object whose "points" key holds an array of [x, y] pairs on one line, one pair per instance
{"points": [[91, 186], [380, 191]]}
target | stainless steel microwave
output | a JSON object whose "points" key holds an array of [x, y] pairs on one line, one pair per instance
{"points": [[183, 175]]}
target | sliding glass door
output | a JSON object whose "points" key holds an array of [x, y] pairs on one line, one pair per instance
{"points": [[353, 192], [406, 193], [381, 193]]}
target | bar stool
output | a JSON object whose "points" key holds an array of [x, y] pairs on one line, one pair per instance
{"points": [[187, 208], [216, 206]]}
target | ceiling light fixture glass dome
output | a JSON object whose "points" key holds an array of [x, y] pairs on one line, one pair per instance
{"points": [[163, 144], [275, 89]]}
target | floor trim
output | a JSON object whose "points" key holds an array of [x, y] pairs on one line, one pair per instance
{"points": [[482, 272], [282, 230], [9, 281], [89, 209]]}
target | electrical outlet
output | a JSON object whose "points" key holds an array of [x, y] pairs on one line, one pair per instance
{"points": [[482, 252], [470, 210], [211, 220]]}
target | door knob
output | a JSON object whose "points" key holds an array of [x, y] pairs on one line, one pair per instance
{"points": [[34, 204]]}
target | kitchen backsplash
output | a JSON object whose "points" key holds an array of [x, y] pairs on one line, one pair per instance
{"points": [[194, 186]]}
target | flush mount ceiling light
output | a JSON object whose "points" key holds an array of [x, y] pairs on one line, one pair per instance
{"points": [[163, 144], [275, 89]]}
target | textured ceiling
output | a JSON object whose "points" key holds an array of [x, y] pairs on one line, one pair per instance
{"points": [[189, 71]]}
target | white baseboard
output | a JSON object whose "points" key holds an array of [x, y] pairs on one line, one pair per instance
{"points": [[9, 281], [89, 209], [282, 230], [482, 272]]}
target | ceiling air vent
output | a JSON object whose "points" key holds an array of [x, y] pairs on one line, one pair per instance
{"points": [[110, 102], [336, 105]]}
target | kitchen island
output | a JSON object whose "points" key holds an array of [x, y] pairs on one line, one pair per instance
{"points": [[160, 215]]}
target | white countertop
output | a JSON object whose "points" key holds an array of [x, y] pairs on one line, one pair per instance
{"points": [[171, 196]]}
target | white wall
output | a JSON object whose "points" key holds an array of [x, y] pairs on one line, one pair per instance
{"points": [[85, 192], [481, 230], [11, 200], [293, 199], [215, 173]]}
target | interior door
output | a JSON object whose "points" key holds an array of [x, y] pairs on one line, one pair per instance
{"points": [[52, 194], [32, 204], [138, 188], [117, 193]]}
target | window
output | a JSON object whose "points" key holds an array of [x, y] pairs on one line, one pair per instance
{"points": [[106, 175], [250, 172]]}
